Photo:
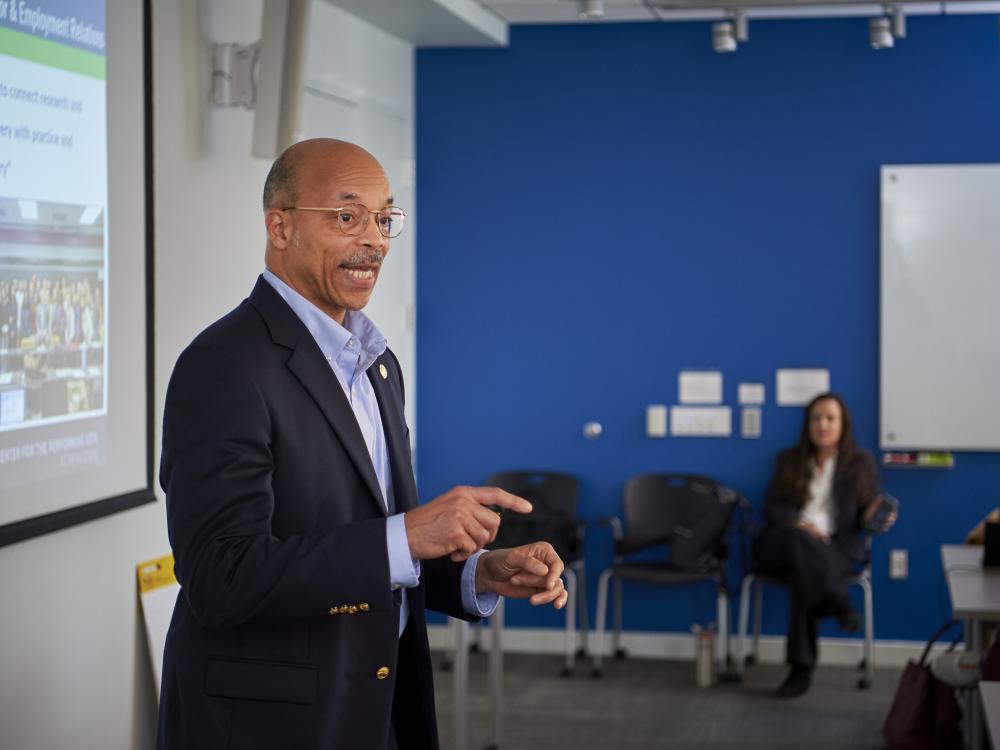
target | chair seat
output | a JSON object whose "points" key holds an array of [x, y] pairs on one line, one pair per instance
{"points": [[664, 573], [851, 577]]}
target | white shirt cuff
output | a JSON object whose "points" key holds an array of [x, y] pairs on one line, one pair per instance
{"points": [[403, 570], [480, 604]]}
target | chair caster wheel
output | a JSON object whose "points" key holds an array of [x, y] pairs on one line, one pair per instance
{"points": [[730, 676], [750, 660], [566, 672], [862, 665], [474, 648], [864, 683], [620, 654], [596, 673], [581, 653]]}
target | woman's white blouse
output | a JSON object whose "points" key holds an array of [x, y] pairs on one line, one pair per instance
{"points": [[819, 509]]}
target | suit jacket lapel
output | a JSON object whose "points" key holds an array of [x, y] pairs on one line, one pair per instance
{"points": [[309, 365], [391, 408]]}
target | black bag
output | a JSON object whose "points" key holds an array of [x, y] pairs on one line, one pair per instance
{"points": [[990, 669], [702, 522], [924, 713]]}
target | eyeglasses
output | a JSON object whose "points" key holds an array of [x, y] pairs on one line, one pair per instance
{"points": [[353, 218]]}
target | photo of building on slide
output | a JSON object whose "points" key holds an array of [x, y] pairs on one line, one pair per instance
{"points": [[52, 316]]}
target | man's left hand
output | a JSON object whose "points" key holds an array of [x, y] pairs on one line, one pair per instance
{"points": [[531, 572]]}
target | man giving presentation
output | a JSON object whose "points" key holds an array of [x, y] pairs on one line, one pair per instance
{"points": [[305, 562]]}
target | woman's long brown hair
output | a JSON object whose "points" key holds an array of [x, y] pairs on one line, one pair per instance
{"points": [[794, 470]]}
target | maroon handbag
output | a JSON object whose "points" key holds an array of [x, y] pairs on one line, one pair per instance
{"points": [[924, 713]]}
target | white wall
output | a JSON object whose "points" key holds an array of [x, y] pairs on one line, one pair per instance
{"points": [[359, 88], [73, 662]]}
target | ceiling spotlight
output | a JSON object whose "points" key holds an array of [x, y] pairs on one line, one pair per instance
{"points": [[742, 27], [591, 9], [880, 33], [722, 37]]}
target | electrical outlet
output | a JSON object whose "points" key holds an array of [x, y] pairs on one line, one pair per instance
{"points": [[899, 564]]}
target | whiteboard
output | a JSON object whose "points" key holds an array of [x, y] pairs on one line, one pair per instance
{"points": [[940, 307]]}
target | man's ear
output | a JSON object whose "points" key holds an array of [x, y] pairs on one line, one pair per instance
{"points": [[279, 230]]}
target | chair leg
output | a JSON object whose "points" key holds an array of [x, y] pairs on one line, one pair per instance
{"points": [[460, 681], [746, 589], [457, 641], [581, 590], [476, 637], [868, 679], [496, 674], [602, 614], [570, 634], [722, 654], [758, 609], [618, 650]]}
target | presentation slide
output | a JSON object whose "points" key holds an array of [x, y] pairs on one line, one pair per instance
{"points": [[53, 249], [57, 269]]}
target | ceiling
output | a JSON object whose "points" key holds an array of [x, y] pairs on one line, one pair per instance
{"points": [[556, 11], [566, 11], [475, 23]]}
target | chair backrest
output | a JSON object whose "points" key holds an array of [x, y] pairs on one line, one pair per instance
{"points": [[690, 513], [554, 498]]}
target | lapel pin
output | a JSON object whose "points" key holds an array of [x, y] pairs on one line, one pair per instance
{"points": [[383, 372]]}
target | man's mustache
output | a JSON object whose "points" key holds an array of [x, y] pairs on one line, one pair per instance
{"points": [[365, 258]]}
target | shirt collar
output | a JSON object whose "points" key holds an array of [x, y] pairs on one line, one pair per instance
{"points": [[827, 470], [332, 337]]}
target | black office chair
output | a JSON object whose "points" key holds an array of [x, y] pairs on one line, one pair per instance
{"points": [[862, 578], [554, 498], [754, 582], [692, 515]]}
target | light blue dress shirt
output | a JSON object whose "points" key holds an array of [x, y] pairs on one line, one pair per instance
{"points": [[351, 349]]}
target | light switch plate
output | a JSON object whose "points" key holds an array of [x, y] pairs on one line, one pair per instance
{"points": [[656, 421], [750, 422]]}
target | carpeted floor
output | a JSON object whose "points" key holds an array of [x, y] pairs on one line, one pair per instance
{"points": [[643, 703]]}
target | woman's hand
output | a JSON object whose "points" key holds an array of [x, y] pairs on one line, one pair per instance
{"points": [[872, 510]]}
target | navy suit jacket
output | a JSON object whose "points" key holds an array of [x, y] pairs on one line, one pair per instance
{"points": [[285, 632]]}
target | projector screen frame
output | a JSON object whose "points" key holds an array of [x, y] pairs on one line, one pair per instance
{"points": [[47, 523]]}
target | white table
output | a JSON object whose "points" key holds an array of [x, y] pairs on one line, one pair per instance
{"points": [[975, 598]]}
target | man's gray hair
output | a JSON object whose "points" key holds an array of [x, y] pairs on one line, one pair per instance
{"points": [[279, 187]]}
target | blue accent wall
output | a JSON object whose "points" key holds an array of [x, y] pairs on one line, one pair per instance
{"points": [[601, 206]]}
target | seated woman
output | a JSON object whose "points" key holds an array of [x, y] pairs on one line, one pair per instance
{"points": [[818, 504]]}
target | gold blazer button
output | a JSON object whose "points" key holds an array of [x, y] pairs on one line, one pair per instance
{"points": [[333, 610], [383, 372], [363, 606], [352, 609], [382, 673]]}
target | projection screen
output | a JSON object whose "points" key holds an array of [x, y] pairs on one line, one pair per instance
{"points": [[75, 263]]}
